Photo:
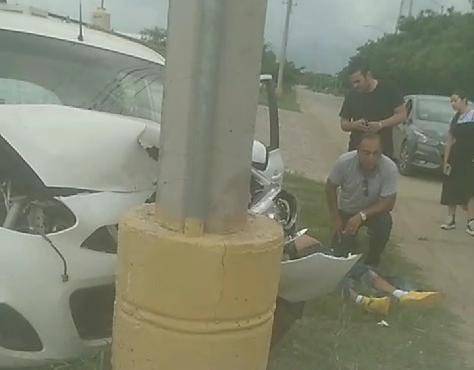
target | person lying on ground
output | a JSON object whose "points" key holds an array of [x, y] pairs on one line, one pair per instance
{"points": [[392, 294], [307, 245]]}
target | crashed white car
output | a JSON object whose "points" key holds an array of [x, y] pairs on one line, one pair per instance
{"points": [[79, 147], [79, 132]]}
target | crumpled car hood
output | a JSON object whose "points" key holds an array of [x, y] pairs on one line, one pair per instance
{"points": [[80, 149]]}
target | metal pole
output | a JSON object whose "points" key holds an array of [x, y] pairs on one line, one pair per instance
{"points": [[284, 46], [189, 297], [209, 114], [402, 3]]}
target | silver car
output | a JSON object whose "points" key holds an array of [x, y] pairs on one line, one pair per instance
{"points": [[420, 141]]}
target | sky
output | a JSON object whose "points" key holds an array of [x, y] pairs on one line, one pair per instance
{"points": [[323, 33]]}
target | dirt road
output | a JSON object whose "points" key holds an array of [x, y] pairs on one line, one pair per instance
{"points": [[312, 141]]}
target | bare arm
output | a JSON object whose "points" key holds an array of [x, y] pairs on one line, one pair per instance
{"points": [[331, 197], [399, 116], [447, 149], [383, 205], [349, 126]]}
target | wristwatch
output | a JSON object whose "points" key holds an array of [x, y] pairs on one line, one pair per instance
{"points": [[363, 216]]}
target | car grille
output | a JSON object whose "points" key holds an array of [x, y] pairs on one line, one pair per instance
{"points": [[92, 311]]}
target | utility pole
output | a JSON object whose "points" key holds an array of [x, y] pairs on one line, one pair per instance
{"points": [[400, 13], [197, 276], [410, 9], [284, 46]]}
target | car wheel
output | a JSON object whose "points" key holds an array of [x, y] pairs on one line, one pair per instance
{"points": [[404, 165]]}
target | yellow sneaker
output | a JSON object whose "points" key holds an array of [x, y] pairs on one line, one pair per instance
{"points": [[421, 299], [380, 306]]}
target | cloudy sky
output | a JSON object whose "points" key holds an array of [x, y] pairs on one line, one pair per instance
{"points": [[324, 33]]}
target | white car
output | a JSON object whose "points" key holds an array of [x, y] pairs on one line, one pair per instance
{"points": [[79, 134]]}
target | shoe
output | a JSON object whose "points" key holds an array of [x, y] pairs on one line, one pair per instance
{"points": [[380, 306], [470, 228], [450, 224], [421, 299]]}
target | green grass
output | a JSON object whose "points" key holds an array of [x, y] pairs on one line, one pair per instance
{"points": [[337, 335], [288, 101], [98, 362]]}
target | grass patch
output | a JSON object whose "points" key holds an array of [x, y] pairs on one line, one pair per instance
{"points": [[334, 334], [99, 362], [288, 101]]}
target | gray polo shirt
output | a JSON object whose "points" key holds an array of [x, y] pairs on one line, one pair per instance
{"points": [[353, 197]]}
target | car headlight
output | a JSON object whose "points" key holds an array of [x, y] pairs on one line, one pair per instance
{"points": [[420, 136], [424, 139]]}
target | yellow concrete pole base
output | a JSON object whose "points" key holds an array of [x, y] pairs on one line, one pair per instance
{"points": [[201, 303]]}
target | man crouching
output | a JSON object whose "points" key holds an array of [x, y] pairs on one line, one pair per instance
{"points": [[367, 180]]}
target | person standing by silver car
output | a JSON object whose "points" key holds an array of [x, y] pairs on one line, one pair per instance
{"points": [[458, 184]]}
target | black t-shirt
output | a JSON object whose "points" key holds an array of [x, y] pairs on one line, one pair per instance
{"points": [[374, 106]]}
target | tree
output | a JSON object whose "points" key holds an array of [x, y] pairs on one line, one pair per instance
{"points": [[432, 54], [155, 38]]}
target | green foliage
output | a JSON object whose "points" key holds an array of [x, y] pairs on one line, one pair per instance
{"points": [[155, 38], [321, 82], [292, 74], [431, 54]]}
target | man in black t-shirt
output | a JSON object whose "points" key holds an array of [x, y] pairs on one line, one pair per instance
{"points": [[372, 106]]}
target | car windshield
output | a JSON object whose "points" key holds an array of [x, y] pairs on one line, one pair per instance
{"points": [[435, 110], [41, 70]]}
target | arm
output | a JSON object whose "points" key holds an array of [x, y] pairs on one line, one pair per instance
{"points": [[331, 198], [347, 113], [383, 205], [399, 116], [447, 150], [349, 126]]}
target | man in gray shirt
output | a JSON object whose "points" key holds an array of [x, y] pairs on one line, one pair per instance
{"points": [[368, 189]]}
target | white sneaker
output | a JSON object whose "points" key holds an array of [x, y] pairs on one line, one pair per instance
{"points": [[450, 224], [470, 228]]}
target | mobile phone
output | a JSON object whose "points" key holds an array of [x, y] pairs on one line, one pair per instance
{"points": [[447, 170]]}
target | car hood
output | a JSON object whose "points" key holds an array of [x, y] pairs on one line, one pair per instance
{"points": [[79, 149], [436, 130], [71, 148]]}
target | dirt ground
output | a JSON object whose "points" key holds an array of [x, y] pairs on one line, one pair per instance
{"points": [[312, 140]]}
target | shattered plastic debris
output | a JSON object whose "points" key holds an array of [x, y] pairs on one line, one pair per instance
{"points": [[383, 324]]}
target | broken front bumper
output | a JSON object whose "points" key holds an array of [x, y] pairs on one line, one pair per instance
{"points": [[49, 310]]}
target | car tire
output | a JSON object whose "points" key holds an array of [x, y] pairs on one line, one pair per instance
{"points": [[404, 163]]}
